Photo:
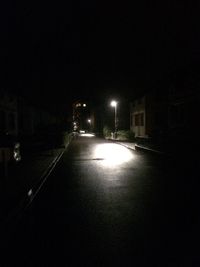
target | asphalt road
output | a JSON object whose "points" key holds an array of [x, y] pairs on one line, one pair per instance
{"points": [[105, 205]]}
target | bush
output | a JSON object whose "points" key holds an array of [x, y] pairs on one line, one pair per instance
{"points": [[107, 132], [125, 135]]}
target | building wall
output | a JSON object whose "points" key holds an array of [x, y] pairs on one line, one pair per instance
{"points": [[153, 108], [8, 113], [157, 112], [33, 119], [17, 116], [138, 117], [183, 111], [169, 113], [150, 111]]}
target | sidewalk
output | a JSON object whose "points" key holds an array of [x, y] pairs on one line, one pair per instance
{"points": [[172, 149], [129, 145], [137, 146], [23, 181]]}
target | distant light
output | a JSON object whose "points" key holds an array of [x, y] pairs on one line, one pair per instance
{"points": [[113, 103], [89, 121], [112, 154], [82, 131], [87, 135], [84, 105]]}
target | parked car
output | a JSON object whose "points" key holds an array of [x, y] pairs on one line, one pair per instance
{"points": [[9, 148]]}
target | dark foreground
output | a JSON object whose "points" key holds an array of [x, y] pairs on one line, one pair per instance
{"points": [[105, 205]]}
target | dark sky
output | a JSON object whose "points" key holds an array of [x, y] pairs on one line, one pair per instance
{"points": [[66, 50]]}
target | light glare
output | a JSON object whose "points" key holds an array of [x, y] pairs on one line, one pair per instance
{"points": [[112, 154], [113, 103], [87, 135]]}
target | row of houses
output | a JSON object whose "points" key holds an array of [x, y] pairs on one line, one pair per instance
{"points": [[172, 112], [18, 117]]}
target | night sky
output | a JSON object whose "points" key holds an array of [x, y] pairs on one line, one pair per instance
{"points": [[56, 52]]}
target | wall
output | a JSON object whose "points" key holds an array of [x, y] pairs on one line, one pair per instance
{"points": [[138, 117], [183, 111], [154, 107], [8, 113]]}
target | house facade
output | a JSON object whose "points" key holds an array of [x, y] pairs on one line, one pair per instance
{"points": [[138, 117], [183, 111], [171, 112], [148, 114]]}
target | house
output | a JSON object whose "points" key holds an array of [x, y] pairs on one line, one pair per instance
{"points": [[148, 114], [170, 113], [138, 117]]}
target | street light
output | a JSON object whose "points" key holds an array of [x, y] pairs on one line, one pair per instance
{"points": [[114, 105], [89, 122]]}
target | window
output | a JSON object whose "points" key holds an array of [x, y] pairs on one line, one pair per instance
{"points": [[139, 119]]}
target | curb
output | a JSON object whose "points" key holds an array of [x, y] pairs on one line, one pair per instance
{"points": [[32, 192], [14, 216], [127, 146], [142, 148], [121, 143], [139, 147]]}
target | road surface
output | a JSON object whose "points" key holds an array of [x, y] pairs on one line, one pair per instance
{"points": [[106, 205]]}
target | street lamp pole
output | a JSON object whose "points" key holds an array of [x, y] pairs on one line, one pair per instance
{"points": [[114, 104], [116, 118]]}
